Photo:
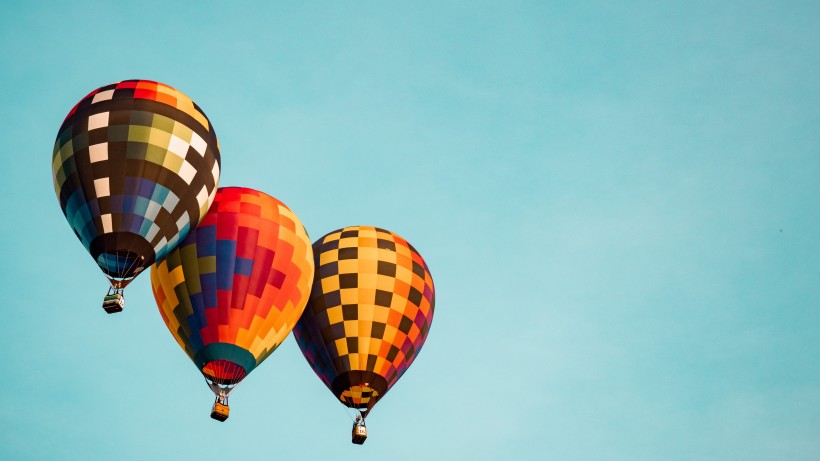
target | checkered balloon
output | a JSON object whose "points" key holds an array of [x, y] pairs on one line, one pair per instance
{"points": [[135, 167], [369, 312]]}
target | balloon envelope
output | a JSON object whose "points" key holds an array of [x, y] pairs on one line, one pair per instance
{"points": [[233, 289], [369, 312], [135, 167]]}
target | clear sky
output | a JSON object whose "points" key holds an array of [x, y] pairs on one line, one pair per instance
{"points": [[619, 203]]}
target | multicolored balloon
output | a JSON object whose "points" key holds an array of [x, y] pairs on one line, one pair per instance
{"points": [[136, 165], [368, 315], [233, 289]]}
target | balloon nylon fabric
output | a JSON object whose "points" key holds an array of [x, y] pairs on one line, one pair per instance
{"points": [[369, 312], [135, 167], [233, 289]]}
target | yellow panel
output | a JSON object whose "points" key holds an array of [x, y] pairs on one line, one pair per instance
{"points": [[341, 347], [368, 232], [173, 162], [256, 342], [367, 296], [332, 237], [56, 162], [380, 314], [366, 313], [404, 274], [288, 218], [348, 242], [280, 325], [387, 255], [334, 315], [330, 283], [286, 234], [403, 250], [67, 150], [182, 132], [328, 256], [188, 108], [351, 328], [166, 285], [398, 303], [269, 343], [177, 276], [374, 346], [349, 295], [368, 266], [370, 253], [157, 278], [389, 333], [380, 361], [365, 280], [354, 361], [364, 342], [385, 282], [241, 337], [159, 138], [348, 266]]}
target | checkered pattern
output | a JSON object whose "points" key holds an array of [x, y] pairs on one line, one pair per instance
{"points": [[359, 395], [369, 312], [135, 166], [236, 285]]}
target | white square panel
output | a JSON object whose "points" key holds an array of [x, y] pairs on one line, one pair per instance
{"points": [[152, 232], [102, 96], [98, 121], [178, 146], [98, 152], [215, 173], [101, 186], [106, 223], [161, 244], [187, 172], [202, 196], [152, 211], [198, 143], [183, 220], [170, 202]]}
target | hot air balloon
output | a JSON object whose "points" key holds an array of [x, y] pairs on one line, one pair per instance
{"points": [[368, 315], [136, 166], [233, 289]]}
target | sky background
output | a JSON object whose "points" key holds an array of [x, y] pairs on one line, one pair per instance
{"points": [[619, 203]]}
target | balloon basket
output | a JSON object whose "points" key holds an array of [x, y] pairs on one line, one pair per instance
{"points": [[220, 412], [113, 303], [359, 433]]}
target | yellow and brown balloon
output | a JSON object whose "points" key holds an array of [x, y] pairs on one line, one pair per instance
{"points": [[369, 312]]}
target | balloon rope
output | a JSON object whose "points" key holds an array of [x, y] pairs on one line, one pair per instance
{"points": [[117, 249], [130, 266], [348, 407], [233, 370]]}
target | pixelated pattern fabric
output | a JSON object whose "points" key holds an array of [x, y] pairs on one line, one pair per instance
{"points": [[235, 286], [369, 312], [135, 165]]}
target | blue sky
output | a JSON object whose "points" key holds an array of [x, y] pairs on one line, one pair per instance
{"points": [[619, 203]]}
